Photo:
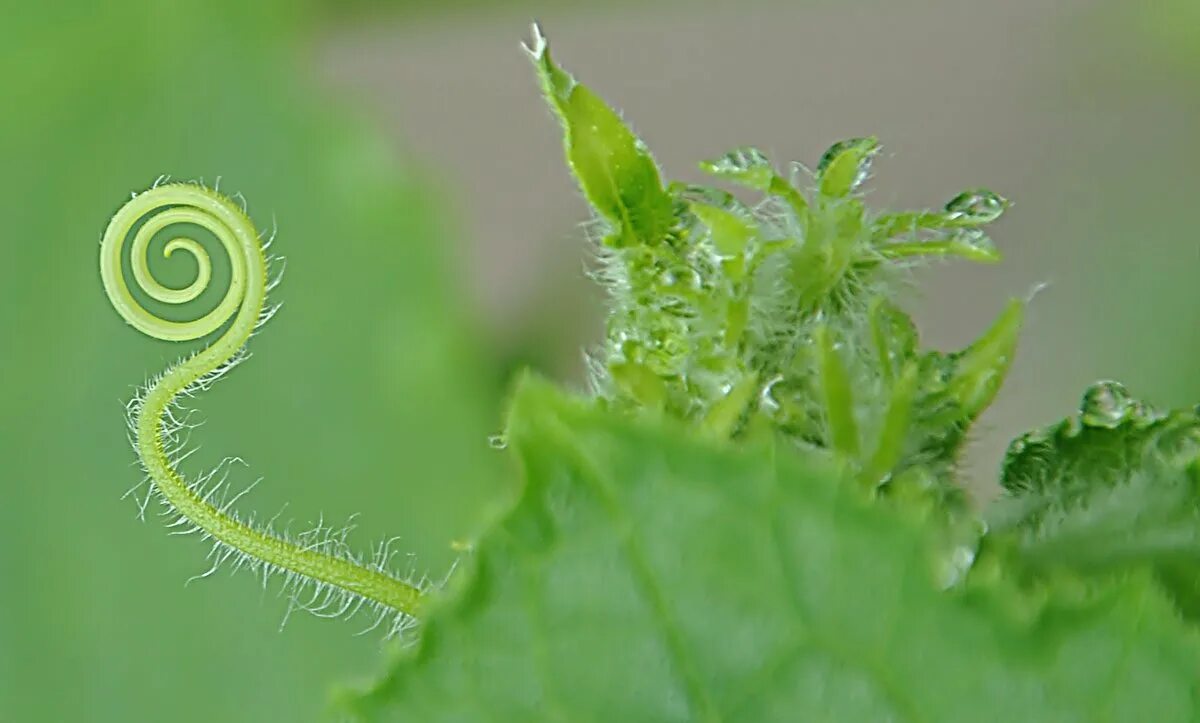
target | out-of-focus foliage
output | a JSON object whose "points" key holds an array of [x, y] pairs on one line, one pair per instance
{"points": [[646, 575], [1170, 32], [373, 400], [1112, 488]]}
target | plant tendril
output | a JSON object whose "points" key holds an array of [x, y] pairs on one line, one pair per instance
{"points": [[342, 581]]}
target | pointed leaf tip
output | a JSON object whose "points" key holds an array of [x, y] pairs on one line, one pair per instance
{"points": [[538, 43]]}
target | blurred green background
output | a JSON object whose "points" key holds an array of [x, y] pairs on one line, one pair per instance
{"points": [[418, 188]]}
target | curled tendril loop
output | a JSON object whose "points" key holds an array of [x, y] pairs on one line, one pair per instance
{"points": [[161, 208]]}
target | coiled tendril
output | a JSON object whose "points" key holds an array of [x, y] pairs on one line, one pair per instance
{"points": [[340, 580]]}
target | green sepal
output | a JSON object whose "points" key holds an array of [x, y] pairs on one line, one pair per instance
{"points": [[837, 395], [639, 383], [979, 370], [895, 428], [730, 232], [893, 335], [722, 418]]}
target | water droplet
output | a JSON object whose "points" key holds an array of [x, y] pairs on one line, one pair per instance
{"points": [[498, 441], [956, 565], [767, 400], [977, 206], [1106, 404]]}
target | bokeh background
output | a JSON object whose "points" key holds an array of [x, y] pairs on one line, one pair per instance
{"points": [[431, 234]]}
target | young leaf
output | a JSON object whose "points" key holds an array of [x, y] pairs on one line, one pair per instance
{"points": [[750, 167], [970, 244], [846, 165], [647, 576], [613, 167], [730, 232]]}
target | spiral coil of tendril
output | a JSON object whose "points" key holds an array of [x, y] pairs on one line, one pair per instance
{"points": [[162, 207]]}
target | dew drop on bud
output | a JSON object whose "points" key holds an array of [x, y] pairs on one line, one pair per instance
{"points": [[1106, 404]]}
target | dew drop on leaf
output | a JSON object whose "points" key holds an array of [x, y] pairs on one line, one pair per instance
{"points": [[1106, 404], [498, 441], [976, 206]]}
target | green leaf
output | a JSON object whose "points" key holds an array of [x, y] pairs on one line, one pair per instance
{"points": [[646, 576], [899, 223], [1113, 487], [749, 167], [846, 165], [730, 232], [614, 169], [972, 245]]}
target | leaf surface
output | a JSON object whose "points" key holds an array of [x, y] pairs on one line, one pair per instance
{"points": [[645, 576]]}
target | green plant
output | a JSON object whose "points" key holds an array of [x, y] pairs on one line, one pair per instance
{"points": [[755, 515]]}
